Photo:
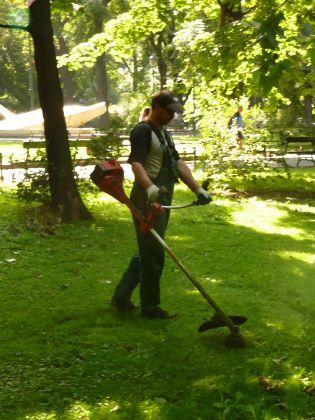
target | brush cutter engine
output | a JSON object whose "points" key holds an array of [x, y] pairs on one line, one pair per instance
{"points": [[108, 176]]}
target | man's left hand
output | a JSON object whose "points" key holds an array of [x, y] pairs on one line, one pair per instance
{"points": [[203, 197]]}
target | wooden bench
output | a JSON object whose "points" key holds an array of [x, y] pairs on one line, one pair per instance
{"points": [[40, 144], [298, 139]]}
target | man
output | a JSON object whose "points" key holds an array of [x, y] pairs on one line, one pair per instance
{"points": [[236, 123], [155, 164]]}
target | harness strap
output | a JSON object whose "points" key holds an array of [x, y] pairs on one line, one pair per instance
{"points": [[168, 150]]}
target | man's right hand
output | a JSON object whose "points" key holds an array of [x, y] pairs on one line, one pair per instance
{"points": [[154, 193]]}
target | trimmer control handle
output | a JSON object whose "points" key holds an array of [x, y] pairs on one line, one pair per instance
{"points": [[182, 206]]}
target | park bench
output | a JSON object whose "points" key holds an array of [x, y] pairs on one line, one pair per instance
{"points": [[183, 132], [40, 144], [187, 151], [298, 139]]}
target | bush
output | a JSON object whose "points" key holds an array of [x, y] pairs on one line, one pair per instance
{"points": [[108, 145], [224, 158], [35, 185]]}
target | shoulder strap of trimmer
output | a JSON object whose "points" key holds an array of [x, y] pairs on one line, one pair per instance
{"points": [[168, 149]]}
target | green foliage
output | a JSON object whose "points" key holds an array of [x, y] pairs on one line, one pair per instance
{"points": [[225, 159], [108, 145], [276, 183], [14, 56], [265, 51], [35, 185], [14, 12], [263, 55], [214, 55]]}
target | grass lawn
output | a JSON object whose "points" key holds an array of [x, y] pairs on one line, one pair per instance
{"points": [[66, 355], [296, 183]]}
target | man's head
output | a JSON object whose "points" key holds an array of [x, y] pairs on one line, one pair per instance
{"points": [[240, 108], [164, 105]]}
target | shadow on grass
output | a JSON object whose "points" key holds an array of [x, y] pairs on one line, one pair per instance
{"points": [[68, 354]]}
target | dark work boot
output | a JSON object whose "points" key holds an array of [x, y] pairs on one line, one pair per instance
{"points": [[122, 305], [157, 313]]}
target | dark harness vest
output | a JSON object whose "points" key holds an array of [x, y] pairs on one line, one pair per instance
{"points": [[169, 151]]}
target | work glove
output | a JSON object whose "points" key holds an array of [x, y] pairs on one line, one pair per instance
{"points": [[154, 193], [203, 197]]}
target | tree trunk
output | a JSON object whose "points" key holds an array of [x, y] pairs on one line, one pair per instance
{"points": [[65, 197], [161, 63], [65, 73], [308, 115], [102, 85], [162, 66], [135, 73]]}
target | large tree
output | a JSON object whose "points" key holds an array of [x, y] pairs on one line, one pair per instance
{"points": [[64, 193], [65, 197]]}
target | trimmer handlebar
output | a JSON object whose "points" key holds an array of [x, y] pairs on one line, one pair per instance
{"points": [[181, 206]]}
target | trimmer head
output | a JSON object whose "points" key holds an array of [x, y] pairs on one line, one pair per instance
{"points": [[235, 339], [217, 321]]}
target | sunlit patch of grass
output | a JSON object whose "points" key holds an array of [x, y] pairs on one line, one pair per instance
{"points": [[179, 238], [305, 257], [264, 217]]}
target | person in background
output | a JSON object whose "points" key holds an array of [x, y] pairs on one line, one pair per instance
{"points": [[236, 124]]}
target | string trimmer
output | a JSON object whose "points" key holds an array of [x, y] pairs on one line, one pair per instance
{"points": [[108, 176]]}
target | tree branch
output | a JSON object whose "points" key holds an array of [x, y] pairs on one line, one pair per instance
{"points": [[127, 65], [23, 28], [249, 10], [152, 42]]}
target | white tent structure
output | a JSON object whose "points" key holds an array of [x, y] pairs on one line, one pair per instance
{"points": [[32, 122]]}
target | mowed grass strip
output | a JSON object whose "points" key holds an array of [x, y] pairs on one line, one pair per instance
{"points": [[66, 355]]}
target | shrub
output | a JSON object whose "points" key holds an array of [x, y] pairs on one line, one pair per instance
{"points": [[108, 145]]}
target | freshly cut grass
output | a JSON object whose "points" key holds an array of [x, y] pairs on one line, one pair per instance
{"points": [[66, 355]]}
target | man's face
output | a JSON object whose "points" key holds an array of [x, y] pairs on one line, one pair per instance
{"points": [[163, 115]]}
